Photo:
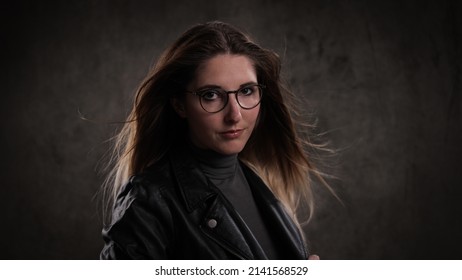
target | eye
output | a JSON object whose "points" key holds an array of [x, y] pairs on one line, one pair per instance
{"points": [[210, 94], [247, 90]]}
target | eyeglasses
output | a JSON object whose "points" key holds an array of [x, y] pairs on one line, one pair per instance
{"points": [[213, 100]]}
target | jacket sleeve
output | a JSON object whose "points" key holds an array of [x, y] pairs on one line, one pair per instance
{"points": [[140, 226]]}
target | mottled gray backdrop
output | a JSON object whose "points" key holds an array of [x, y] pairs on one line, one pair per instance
{"points": [[383, 79]]}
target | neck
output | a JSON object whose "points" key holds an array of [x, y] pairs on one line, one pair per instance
{"points": [[215, 165]]}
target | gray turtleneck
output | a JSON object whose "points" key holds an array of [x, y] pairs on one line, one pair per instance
{"points": [[226, 174]]}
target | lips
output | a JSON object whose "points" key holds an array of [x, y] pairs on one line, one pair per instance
{"points": [[232, 134]]}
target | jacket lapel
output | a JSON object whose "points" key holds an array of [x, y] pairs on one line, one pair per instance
{"points": [[219, 221], [224, 225], [288, 235]]}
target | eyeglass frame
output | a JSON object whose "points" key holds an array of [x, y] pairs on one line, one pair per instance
{"points": [[235, 92]]}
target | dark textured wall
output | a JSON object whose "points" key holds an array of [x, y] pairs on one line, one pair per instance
{"points": [[382, 77]]}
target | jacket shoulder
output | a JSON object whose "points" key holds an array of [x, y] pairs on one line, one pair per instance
{"points": [[141, 224], [155, 180]]}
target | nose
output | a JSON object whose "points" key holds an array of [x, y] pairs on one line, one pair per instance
{"points": [[232, 110]]}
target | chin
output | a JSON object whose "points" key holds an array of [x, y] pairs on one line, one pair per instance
{"points": [[230, 149]]}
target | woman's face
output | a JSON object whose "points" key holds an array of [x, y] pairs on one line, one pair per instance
{"points": [[228, 130]]}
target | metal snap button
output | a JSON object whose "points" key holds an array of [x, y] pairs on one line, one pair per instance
{"points": [[212, 223]]}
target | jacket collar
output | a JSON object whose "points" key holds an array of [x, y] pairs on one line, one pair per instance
{"points": [[195, 188]]}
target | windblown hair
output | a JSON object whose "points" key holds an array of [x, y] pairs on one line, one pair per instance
{"points": [[275, 151]]}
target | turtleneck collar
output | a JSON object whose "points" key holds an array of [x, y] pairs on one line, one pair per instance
{"points": [[216, 166]]}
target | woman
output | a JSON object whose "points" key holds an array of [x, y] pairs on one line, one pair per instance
{"points": [[209, 164]]}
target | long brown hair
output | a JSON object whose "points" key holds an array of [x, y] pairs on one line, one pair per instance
{"points": [[275, 150]]}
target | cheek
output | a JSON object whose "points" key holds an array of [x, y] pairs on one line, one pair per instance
{"points": [[202, 124], [253, 116], [194, 114]]}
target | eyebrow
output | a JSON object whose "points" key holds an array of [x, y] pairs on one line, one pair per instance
{"points": [[212, 86]]}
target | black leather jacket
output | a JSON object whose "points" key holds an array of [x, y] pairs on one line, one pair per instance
{"points": [[174, 212]]}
